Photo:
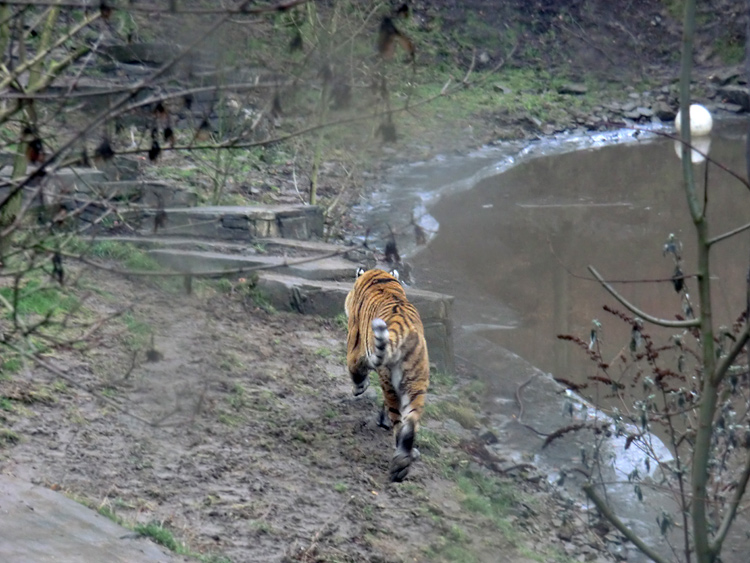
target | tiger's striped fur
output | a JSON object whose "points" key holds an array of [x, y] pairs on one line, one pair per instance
{"points": [[386, 335]]}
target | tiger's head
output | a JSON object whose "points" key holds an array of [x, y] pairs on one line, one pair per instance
{"points": [[352, 295]]}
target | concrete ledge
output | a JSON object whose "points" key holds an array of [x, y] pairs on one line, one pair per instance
{"points": [[246, 223], [43, 526], [197, 261], [151, 194], [326, 299]]}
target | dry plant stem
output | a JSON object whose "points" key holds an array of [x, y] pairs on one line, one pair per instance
{"points": [[636, 311], [603, 507]]}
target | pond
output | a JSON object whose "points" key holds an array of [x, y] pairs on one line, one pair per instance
{"points": [[515, 248]]}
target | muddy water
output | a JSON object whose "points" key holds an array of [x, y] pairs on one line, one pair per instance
{"points": [[512, 232], [515, 247]]}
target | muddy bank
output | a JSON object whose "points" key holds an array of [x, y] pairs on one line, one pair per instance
{"points": [[261, 453]]}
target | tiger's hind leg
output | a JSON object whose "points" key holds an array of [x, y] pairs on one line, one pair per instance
{"points": [[404, 454], [390, 415], [359, 372], [384, 420], [412, 404]]}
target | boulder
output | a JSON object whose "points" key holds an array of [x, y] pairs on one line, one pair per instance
{"points": [[739, 95], [663, 111], [573, 89]]}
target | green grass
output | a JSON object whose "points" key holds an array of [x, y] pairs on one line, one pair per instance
{"points": [[139, 333], [731, 50], [429, 441], [487, 496], [109, 512], [459, 411], [323, 352], [440, 381], [35, 298], [8, 437], [238, 398], [131, 257], [9, 366], [154, 531], [160, 535], [342, 321], [340, 487]]}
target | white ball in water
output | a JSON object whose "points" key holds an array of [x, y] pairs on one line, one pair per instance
{"points": [[701, 121]]}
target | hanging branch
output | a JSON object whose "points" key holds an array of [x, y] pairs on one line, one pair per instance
{"points": [[636, 311]]}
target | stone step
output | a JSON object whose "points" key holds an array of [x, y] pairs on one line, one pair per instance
{"points": [[201, 262], [143, 192], [246, 223], [326, 298], [290, 248], [185, 243], [275, 244]]}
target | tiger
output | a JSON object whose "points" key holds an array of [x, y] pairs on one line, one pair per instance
{"points": [[386, 335]]}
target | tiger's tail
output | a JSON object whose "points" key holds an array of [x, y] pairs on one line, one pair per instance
{"points": [[382, 339]]}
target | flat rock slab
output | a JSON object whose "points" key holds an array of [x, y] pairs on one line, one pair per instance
{"points": [[326, 298], [152, 194], [183, 243], [246, 223], [307, 246], [273, 246], [42, 526], [140, 53], [200, 262]]}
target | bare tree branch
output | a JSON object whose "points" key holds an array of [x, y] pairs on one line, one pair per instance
{"points": [[726, 362], [636, 311], [728, 234]]}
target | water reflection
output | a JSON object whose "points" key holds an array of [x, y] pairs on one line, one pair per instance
{"points": [[515, 248]]}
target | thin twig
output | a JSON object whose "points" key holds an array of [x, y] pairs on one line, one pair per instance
{"points": [[635, 310]]}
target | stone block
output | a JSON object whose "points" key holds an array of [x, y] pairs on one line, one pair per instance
{"points": [[246, 223], [439, 337]]}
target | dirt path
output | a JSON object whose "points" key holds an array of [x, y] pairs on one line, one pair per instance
{"points": [[261, 453]]}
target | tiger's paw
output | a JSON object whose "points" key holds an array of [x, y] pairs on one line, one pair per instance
{"points": [[360, 388], [400, 466], [383, 420]]}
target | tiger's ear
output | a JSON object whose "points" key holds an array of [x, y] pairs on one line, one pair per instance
{"points": [[360, 271], [394, 273]]}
